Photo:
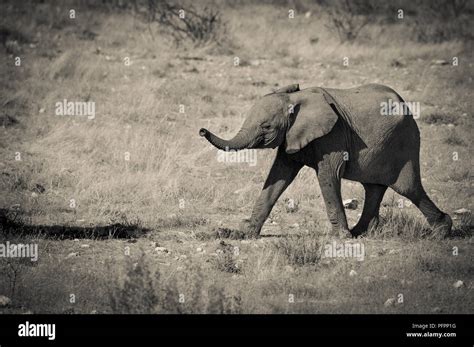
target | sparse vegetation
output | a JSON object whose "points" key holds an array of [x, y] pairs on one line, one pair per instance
{"points": [[300, 250], [148, 191], [437, 118], [455, 139], [186, 22], [348, 18]]}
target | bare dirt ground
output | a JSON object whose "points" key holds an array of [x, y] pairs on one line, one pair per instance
{"points": [[124, 206]]}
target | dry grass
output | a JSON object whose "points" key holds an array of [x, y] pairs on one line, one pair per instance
{"points": [[174, 186]]}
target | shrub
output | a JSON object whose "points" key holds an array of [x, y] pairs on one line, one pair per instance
{"points": [[186, 22], [441, 20], [349, 17]]}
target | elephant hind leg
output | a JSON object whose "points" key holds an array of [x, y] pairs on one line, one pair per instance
{"points": [[437, 219], [410, 187], [370, 214]]}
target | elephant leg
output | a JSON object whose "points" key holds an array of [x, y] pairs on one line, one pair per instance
{"points": [[329, 176], [413, 190], [281, 175], [370, 214]]}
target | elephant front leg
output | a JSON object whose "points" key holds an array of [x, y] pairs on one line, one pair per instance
{"points": [[330, 183], [281, 174], [370, 214]]}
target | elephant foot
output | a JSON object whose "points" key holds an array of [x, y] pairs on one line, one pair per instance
{"points": [[443, 226], [356, 232], [359, 229]]}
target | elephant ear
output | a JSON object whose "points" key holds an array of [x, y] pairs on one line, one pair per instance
{"points": [[311, 117]]}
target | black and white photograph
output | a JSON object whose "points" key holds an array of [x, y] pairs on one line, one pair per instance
{"points": [[236, 161]]}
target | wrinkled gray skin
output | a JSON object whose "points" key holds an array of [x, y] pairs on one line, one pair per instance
{"points": [[340, 133]]}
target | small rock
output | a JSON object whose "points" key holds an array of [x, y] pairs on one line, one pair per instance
{"points": [[85, 245], [458, 284], [162, 250], [94, 312], [390, 302], [72, 255], [439, 62], [450, 125], [393, 251], [76, 240], [350, 204], [4, 301], [353, 273], [42, 110], [462, 212], [296, 225], [34, 195], [436, 309]]}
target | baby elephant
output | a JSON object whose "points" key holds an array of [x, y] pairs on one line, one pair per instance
{"points": [[340, 133]]}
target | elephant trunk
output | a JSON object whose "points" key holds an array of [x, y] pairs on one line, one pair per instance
{"points": [[241, 140]]}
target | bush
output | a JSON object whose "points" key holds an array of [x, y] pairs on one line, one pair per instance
{"points": [[441, 20], [349, 17], [186, 22]]}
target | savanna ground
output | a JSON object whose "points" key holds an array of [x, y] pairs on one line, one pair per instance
{"points": [[148, 192]]}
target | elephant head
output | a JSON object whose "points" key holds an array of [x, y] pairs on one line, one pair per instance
{"points": [[287, 116]]}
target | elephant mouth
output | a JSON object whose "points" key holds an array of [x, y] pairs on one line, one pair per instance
{"points": [[269, 140]]}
